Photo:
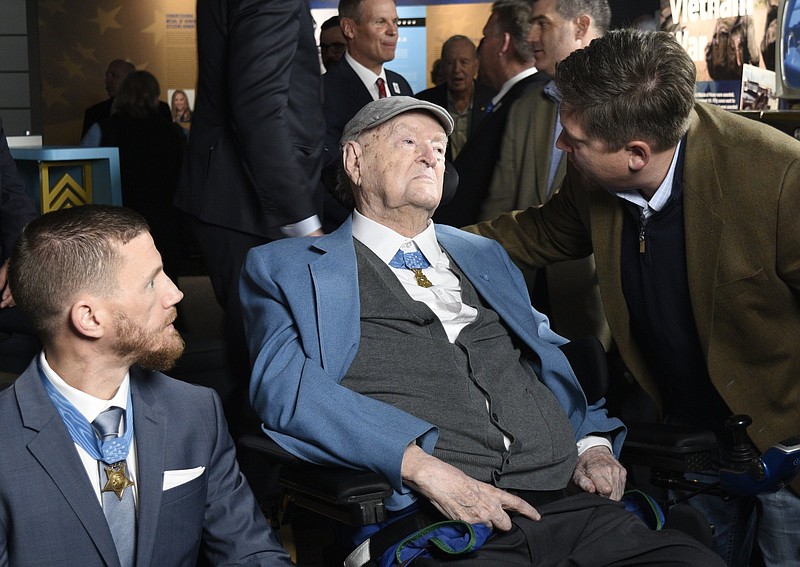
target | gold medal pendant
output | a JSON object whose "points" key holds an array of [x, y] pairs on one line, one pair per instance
{"points": [[118, 481], [422, 279]]}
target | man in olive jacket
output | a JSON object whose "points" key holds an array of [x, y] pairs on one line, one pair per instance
{"points": [[692, 215]]}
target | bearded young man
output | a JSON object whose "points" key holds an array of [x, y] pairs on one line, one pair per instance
{"points": [[124, 465]]}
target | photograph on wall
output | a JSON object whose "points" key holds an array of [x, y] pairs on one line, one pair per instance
{"points": [[791, 49], [181, 103], [758, 89], [722, 37]]}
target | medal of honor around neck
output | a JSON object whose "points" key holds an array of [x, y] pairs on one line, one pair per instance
{"points": [[112, 453], [117, 478]]}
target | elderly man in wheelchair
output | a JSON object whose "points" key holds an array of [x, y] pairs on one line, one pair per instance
{"points": [[411, 349]]}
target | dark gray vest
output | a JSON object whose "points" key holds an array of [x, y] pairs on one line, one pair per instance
{"points": [[405, 359]]}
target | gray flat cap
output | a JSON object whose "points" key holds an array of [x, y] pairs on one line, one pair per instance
{"points": [[379, 111]]}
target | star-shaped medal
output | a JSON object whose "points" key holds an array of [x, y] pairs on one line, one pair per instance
{"points": [[118, 481]]}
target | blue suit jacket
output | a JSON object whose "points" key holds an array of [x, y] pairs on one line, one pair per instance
{"points": [[50, 515], [343, 95], [302, 313]]}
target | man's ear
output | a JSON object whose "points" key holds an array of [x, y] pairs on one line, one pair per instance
{"points": [[639, 154], [347, 25], [506, 43], [88, 319], [351, 158], [582, 24]]}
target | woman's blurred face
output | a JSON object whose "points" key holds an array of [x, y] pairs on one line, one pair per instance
{"points": [[179, 102]]}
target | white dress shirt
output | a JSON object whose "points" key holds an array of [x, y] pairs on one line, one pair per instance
{"points": [[660, 197], [498, 98], [369, 78]]}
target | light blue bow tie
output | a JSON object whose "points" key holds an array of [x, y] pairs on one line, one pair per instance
{"points": [[410, 260], [414, 261]]}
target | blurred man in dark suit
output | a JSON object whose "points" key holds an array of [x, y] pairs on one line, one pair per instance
{"points": [[17, 343], [508, 65], [332, 45], [531, 168], [370, 29], [116, 72], [253, 165]]}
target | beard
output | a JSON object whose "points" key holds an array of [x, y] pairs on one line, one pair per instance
{"points": [[150, 350]]}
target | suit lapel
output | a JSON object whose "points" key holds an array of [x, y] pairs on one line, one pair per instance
{"points": [[358, 94], [399, 85], [543, 124], [394, 85], [480, 99], [703, 240], [150, 428], [490, 281], [487, 126], [55, 451], [336, 298]]}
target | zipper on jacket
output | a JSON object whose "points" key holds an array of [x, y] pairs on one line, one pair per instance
{"points": [[641, 239]]}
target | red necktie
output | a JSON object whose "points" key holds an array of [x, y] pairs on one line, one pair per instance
{"points": [[381, 88]]}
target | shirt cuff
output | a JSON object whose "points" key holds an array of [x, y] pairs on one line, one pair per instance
{"points": [[302, 228], [594, 441]]}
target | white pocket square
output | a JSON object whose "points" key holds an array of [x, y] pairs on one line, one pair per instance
{"points": [[179, 477]]}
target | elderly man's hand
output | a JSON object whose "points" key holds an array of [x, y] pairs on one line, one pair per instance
{"points": [[599, 471], [458, 496]]}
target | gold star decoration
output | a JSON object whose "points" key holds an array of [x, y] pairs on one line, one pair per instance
{"points": [[53, 95], [106, 20], [87, 53], [54, 7], [157, 28], [73, 69], [118, 481]]}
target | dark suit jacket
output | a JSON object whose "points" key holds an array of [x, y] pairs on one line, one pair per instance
{"points": [[255, 147], [17, 208], [477, 159], [481, 96], [178, 426], [102, 110], [150, 154], [343, 96]]}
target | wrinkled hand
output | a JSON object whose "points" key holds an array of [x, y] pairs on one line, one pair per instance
{"points": [[6, 299], [600, 472], [458, 496]]}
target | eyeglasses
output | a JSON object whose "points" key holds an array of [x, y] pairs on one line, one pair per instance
{"points": [[336, 47]]}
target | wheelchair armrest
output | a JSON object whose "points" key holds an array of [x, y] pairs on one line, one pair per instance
{"points": [[668, 447], [268, 449], [350, 496]]}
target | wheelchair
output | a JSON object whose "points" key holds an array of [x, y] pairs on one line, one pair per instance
{"points": [[354, 498]]}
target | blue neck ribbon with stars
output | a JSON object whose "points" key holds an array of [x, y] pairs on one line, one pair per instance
{"points": [[82, 432]]}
